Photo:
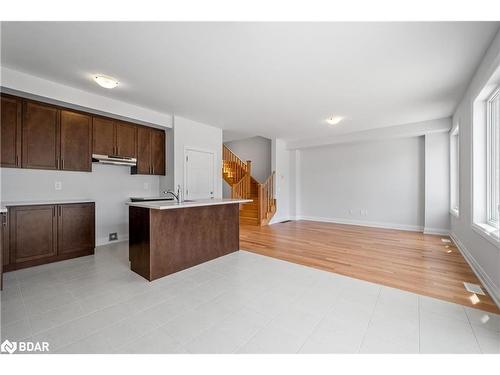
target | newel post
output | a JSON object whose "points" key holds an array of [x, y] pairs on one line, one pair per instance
{"points": [[249, 179]]}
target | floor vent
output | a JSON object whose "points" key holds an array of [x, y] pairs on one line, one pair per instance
{"points": [[474, 288], [445, 240]]}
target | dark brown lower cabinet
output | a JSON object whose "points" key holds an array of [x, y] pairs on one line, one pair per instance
{"points": [[75, 228], [49, 233], [4, 235]]}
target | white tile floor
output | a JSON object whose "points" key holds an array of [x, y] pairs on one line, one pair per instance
{"points": [[240, 303]]}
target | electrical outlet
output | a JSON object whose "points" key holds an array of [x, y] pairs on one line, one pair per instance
{"points": [[58, 185], [146, 186], [113, 236]]}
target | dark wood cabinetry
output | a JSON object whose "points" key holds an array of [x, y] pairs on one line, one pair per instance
{"points": [[103, 136], [33, 233], [40, 139], [39, 234], [76, 141], [143, 151], [158, 152], [44, 136], [126, 140], [112, 137], [4, 237], [75, 228], [11, 110], [150, 151]]}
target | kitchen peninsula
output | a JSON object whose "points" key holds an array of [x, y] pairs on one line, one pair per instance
{"points": [[167, 237]]}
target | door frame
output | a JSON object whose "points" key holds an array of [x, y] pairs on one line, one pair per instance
{"points": [[197, 149]]}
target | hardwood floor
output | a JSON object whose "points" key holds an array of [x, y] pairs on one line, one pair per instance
{"points": [[411, 261]]}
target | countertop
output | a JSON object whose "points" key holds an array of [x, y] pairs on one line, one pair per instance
{"points": [[4, 205], [169, 205]]}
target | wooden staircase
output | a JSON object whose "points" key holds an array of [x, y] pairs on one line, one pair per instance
{"points": [[237, 174]]}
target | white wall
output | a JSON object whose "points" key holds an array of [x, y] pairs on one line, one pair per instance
{"points": [[75, 98], [192, 134], [280, 160], [483, 255], [437, 183], [379, 183], [258, 151], [109, 185]]}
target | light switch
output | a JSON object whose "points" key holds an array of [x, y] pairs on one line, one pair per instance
{"points": [[146, 186]]}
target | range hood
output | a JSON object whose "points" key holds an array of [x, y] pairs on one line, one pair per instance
{"points": [[113, 159]]}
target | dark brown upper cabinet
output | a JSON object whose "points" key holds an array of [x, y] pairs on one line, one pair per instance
{"points": [[113, 137], [126, 139], [143, 151], [150, 152], [76, 141], [103, 136], [158, 152], [44, 136], [11, 110], [40, 139]]}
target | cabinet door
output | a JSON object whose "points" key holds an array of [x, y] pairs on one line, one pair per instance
{"points": [[5, 240], [76, 144], [126, 140], [33, 233], [10, 132], [76, 228], [158, 151], [40, 142], [103, 136], [143, 151]]}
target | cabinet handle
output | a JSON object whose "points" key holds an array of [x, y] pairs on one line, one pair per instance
{"points": [[53, 212], [62, 163]]}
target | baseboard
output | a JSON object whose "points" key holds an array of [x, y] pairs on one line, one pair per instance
{"points": [[490, 286], [276, 220], [104, 240], [374, 224], [440, 231]]}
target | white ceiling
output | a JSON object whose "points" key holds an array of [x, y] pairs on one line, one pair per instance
{"points": [[268, 79]]}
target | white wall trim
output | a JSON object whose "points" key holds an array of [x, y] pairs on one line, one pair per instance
{"points": [[441, 231], [374, 224], [490, 286], [104, 240]]}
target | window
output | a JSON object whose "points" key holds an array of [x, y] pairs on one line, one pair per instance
{"points": [[454, 170], [493, 158]]}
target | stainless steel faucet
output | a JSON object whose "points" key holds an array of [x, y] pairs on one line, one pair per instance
{"points": [[177, 196]]}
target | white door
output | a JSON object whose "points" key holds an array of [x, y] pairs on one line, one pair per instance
{"points": [[199, 174]]}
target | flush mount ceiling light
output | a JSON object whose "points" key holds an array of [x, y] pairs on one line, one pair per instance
{"points": [[105, 81], [334, 120]]}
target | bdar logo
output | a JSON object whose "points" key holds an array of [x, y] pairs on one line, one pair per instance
{"points": [[9, 347]]}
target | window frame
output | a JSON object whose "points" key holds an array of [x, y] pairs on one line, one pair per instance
{"points": [[492, 160], [455, 170]]}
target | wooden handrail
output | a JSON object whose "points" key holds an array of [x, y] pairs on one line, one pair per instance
{"points": [[232, 161], [241, 189]]}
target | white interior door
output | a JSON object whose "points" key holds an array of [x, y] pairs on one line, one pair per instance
{"points": [[199, 174]]}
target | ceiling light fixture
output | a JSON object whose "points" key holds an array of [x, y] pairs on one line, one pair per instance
{"points": [[334, 120], [105, 81]]}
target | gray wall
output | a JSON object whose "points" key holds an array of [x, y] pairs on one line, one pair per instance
{"points": [[379, 183], [110, 186], [256, 149]]}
